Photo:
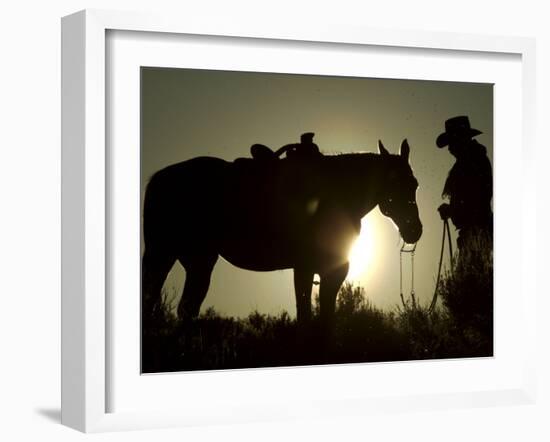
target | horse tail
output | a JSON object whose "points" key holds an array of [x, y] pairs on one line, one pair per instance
{"points": [[151, 206]]}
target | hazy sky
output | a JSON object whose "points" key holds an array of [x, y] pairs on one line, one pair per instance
{"points": [[188, 113]]}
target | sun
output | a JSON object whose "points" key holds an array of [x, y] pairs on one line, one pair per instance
{"points": [[361, 253]]}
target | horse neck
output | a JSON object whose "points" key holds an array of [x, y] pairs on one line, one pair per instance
{"points": [[359, 180]]}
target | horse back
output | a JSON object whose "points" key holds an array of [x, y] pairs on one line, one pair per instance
{"points": [[215, 203], [182, 196]]}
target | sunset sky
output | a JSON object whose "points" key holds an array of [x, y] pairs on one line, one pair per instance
{"points": [[187, 113]]}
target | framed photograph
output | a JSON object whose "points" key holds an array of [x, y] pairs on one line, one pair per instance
{"points": [[269, 222]]}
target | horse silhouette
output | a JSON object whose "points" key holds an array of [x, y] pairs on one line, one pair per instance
{"points": [[282, 214]]}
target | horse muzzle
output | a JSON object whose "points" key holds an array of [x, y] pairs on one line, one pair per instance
{"points": [[412, 234]]}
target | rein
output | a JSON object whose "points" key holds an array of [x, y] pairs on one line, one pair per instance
{"points": [[411, 251]]}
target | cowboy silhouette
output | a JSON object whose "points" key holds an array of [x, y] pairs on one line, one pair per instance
{"points": [[469, 185]]}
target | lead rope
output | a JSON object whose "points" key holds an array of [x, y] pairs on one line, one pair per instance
{"points": [[412, 277], [446, 230], [404, 250], [401, 276], [450, 243]]}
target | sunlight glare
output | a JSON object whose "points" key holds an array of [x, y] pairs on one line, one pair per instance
{"points": [[361, 253]]}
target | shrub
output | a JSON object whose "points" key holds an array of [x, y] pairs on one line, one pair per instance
{"points": [[467, 294], [362, 332]]}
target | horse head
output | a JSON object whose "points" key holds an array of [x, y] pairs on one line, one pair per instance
{"points": [[398, 195]]}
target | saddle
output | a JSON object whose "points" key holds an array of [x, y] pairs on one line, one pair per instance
{"points": [[282, 174], [305, 149]]}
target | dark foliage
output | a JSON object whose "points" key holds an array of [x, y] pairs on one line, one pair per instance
{"points": [[462, 327], [467, 294]]}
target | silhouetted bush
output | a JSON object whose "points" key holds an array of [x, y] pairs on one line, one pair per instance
{"points": [[467, 294], [362, 333]]}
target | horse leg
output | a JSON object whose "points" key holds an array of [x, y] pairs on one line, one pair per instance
{"points": [[197, 282], [331, 282], [303, 280], [154, 267]]}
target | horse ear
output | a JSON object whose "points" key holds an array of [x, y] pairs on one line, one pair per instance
{"points": [[405, 150], [382, 149]]}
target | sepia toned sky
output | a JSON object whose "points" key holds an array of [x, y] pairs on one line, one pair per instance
{"points": [[187, 113]]}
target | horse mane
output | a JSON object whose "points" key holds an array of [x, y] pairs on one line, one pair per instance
{"points": [[352, 155], [351, 161], [341, 174]]}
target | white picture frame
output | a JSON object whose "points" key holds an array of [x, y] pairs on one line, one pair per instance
{"points": [[85, 211]]}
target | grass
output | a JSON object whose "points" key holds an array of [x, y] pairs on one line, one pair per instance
{"points": [[462, 326]]}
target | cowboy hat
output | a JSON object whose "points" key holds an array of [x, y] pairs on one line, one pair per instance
{"points": [[457, 127]]}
